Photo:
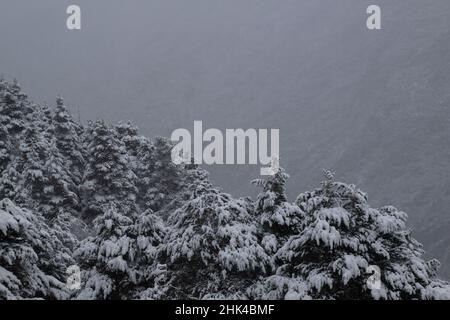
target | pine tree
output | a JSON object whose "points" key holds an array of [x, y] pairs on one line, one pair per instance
{"points": [[68, 141], [405, 274], [32, 260], [5, 149], [9, 181], [340, 239], [14, 107], [15, 111], [29, 164], [163, 176], [149, 232], [121, 260], [108, 177], [211, 249], [41, 117], [128, 134], [108, 257], [191, 175], [279, 218], [37, 177], [59, 193]]}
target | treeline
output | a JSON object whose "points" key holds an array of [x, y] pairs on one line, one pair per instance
{"points": [[111, 202]]}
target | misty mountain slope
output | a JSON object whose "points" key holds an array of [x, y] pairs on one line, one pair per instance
{"points": [[393, 136], [376, 109]]}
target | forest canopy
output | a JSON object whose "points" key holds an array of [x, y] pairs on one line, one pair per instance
{"points": [[111, 202]]}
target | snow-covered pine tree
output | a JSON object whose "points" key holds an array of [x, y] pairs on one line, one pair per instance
{"points": [[5, 149], [327, 258], [15, 111], [404, 273], [60, 190], [68, 141], [148, 232], [191, 175], [14, 107], [32, 260], [144, 167], [41, 117], [108, 258], [140, 152], [279, 218], [340, 239], [163, 177], [108, 176], [27, 168], [59, 202], [9, 181], [212, 249], [128, 134], [37, 177]]}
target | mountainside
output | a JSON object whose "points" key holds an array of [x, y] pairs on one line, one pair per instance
{"points": [[372, 106]]}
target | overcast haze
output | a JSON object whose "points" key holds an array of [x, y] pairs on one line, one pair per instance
{"points": [[373, 106]]}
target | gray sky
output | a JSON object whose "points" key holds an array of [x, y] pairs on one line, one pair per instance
{"points": [[164, 64], [179, 60]]}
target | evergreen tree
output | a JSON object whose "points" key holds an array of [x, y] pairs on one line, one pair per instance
{"points": [[59, 193], [68, 141], [41, 118], [211, 249], [340, 239], [404, 273], [13, 114], [5, 149], [32, 260], [14, 107], [149, 232], [279, 218], [29, 165], [144, 167], [37, 177], [108, 176], [163, 176], [191, 175], [9, 181], [128, 134], [108, 257]]}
